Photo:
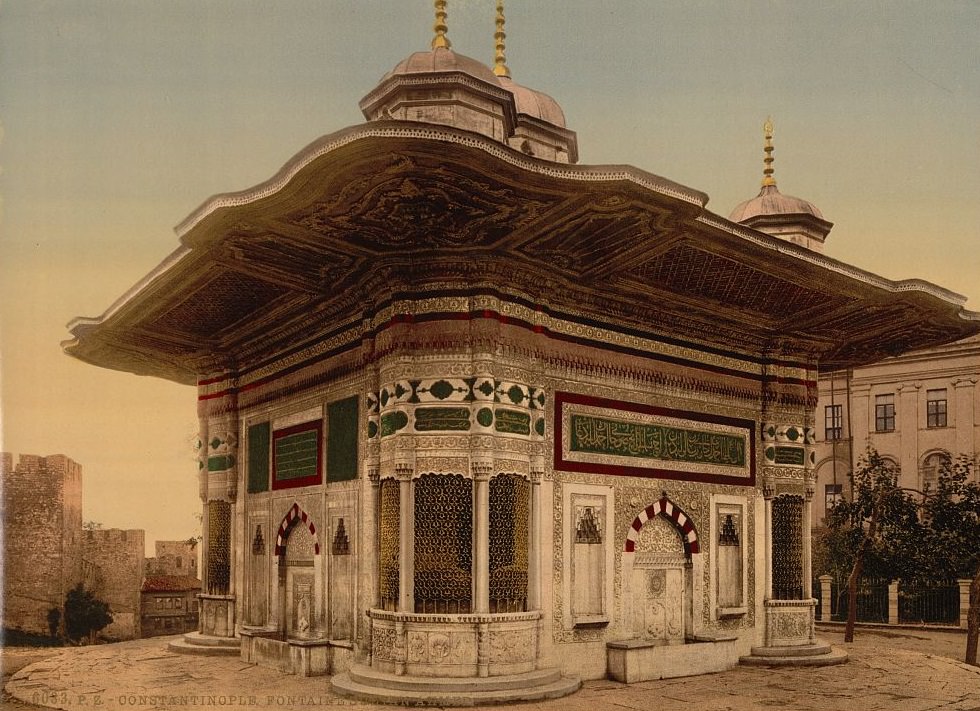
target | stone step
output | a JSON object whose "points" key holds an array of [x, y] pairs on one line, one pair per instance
{"points": [[835, 656], [809, 650], [196, 643], [372, 677], [446, 691]]}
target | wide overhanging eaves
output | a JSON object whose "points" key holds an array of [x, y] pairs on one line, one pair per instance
{"points": [[403, 198]]}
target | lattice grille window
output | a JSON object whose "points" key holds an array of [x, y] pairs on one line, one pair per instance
{"points": [[219, 547], [388, 534], [787, 547], [443, 544], [510, 500]]}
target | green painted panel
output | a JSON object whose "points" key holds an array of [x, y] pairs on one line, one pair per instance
{"points": [[342, 440], [258, 457], [512, 422], [649, 441], [790, 455], [429, 419]]}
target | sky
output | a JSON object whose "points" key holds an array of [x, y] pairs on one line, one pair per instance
{"points": [[120, 117]]}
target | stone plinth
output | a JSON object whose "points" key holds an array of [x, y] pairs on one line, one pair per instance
{"points": [[217, 615], [789, 623], [472, 645], [634, 660], [302, 657]]}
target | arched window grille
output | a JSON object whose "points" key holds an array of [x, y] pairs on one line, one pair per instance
{"points": [[443, 544], [787, 547], [389, 541], [510, 500]]}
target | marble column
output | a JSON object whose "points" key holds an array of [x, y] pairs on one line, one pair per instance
{"points": [[406, 538], [534, 552], [767, 493], [808, 540], [481, 535]]}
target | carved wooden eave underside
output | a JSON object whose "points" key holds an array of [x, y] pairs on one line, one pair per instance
{"points": [[379, 211]]}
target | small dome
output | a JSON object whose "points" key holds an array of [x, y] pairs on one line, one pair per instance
{"points": [[441, 59], [536, 104], [770, 201]]}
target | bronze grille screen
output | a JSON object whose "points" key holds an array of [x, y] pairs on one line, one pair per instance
{"points": [[787, 547], [443, 544], [509, 511]]}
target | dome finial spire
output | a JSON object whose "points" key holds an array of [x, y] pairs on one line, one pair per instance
{"points": [[440, 26], [500, 60], [768, 180]]}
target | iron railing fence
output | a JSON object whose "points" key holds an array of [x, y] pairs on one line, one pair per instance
{"points": [[929, 602], [872, 600]]}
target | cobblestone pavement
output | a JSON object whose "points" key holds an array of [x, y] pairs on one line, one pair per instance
{"points": [[890, 671]]}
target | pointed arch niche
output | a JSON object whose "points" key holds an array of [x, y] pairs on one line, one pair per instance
{"points": [[661, 570], [299, 612]]}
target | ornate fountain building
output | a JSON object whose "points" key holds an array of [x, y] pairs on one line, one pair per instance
{"points": [[478, 421]]}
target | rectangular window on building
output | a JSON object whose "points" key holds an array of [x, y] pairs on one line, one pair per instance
{"points": [[832, 494], [885, 413], [936, 408], [833, 422]]}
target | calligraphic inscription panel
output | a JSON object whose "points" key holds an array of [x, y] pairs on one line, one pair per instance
{"points": [[630, 439]]}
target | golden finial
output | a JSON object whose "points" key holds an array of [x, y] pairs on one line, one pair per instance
{"points": [[768, 180], [500, 61], [440, 27]]}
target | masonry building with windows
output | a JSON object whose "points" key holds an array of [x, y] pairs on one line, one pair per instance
{"points": [[475, 416], [914, 409]]}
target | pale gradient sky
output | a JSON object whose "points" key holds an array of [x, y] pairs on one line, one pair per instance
{"points": [[120, 117]]}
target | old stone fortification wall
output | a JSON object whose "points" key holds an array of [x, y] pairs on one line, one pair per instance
{"points": [[173, 558], [42, 515], [119, 556]]}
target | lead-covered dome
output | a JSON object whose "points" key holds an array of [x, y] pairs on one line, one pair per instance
{"points": [[442, 59], [770, 201], [534, 103]]}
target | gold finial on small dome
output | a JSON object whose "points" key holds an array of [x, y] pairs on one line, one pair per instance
{"points": [[500, 60], [768, 180], [440, 26]]}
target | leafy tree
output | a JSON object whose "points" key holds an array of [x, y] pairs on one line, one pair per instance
{"points": [[876, 532], [951, 545], [85, 614], [91, 526]]}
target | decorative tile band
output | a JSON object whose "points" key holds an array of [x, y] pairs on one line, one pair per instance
{"points": [[478, 404], [630, 439]]}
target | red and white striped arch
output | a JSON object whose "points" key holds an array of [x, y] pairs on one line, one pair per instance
{"points": [[295, 516], [669, 510]]}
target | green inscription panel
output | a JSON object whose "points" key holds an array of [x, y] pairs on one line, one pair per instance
{"points": [[391, 422], [258, 457], [220, 463], [342, 440], [432, 419], [296, 455], [790, 455], [513, 422], [597, 435]]}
